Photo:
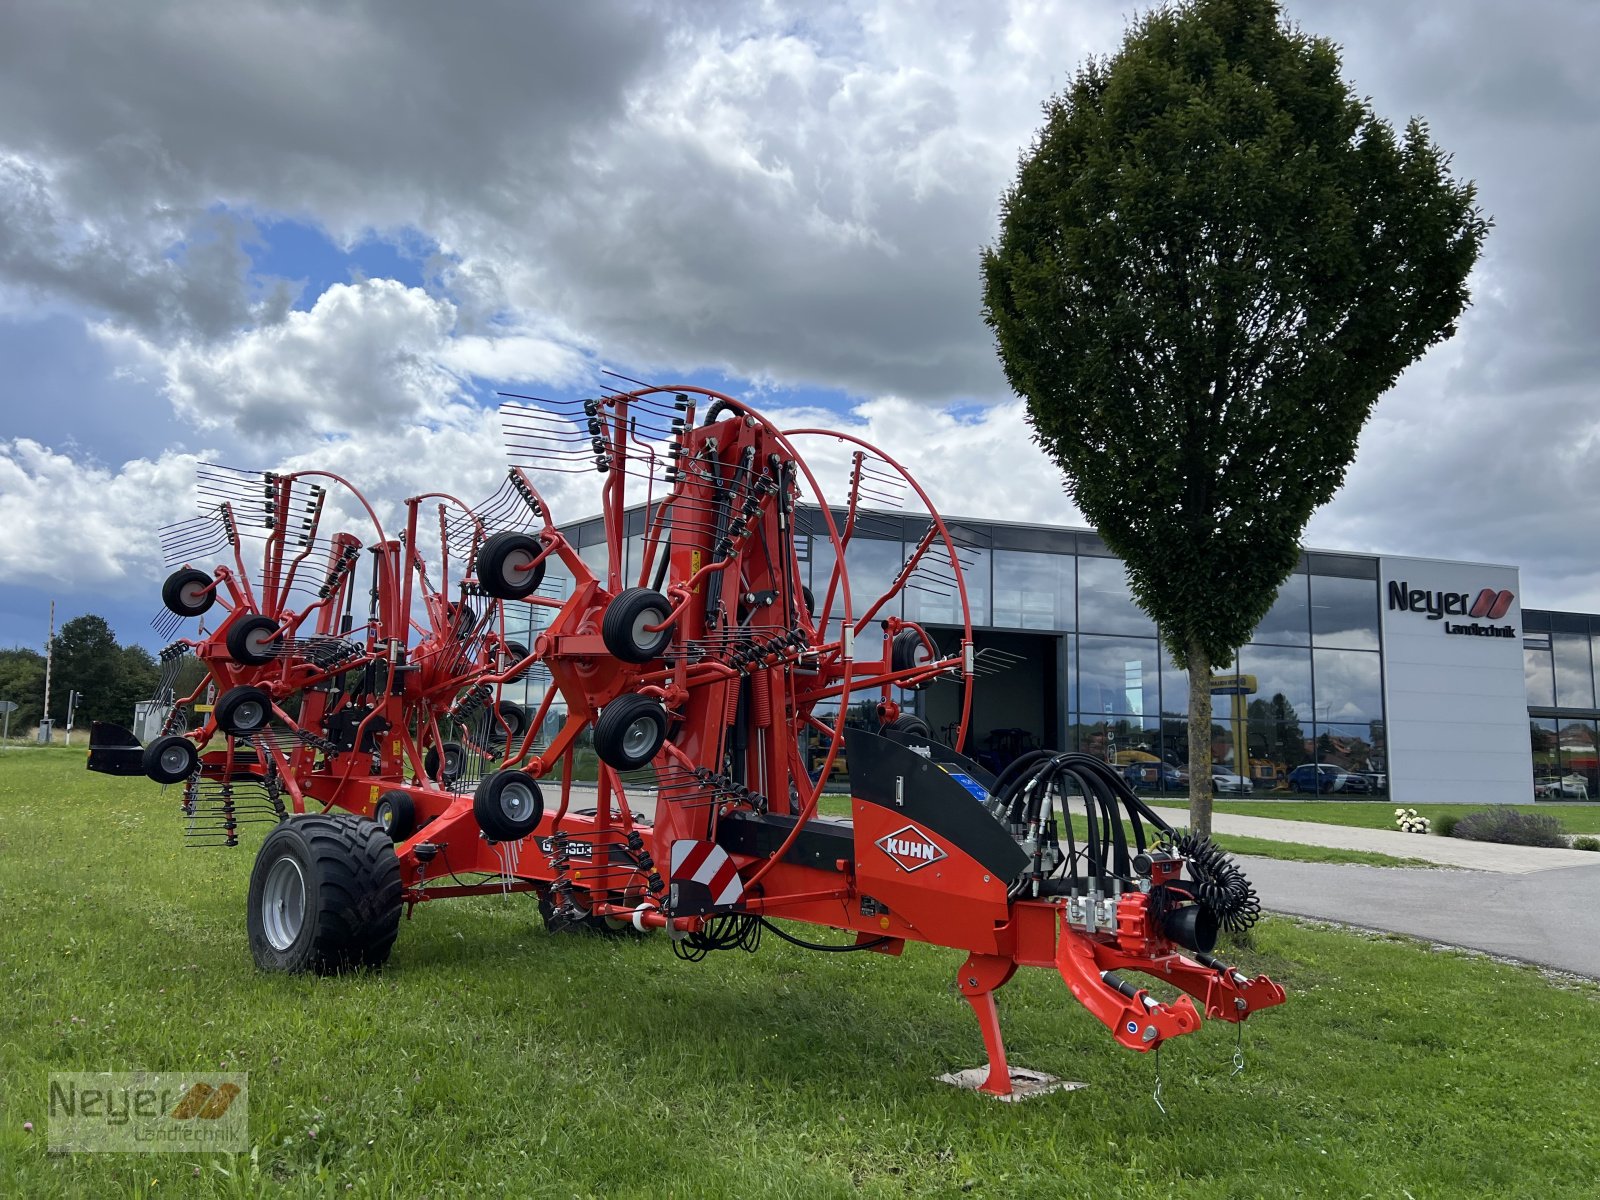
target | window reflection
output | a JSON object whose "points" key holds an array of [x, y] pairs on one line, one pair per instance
{"points": [[1286, 622], [1105, 605], [1118, 675], [935, 600], [1578, 761], [1280, 671], [1348, 686], [1350, 747], [1344, 612], [1574, 677], [1034, 591], [1538, 671]]}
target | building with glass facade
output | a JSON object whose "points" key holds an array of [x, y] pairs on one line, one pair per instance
{"points": [[1410, 673]]}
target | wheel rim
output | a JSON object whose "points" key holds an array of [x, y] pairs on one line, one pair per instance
{"points": [[638, 741], [385, 815], [283, 903], [515, 567], [174, 760], [259, 642], [192, 595], [516, 801], [249, 714], [642, 635]]}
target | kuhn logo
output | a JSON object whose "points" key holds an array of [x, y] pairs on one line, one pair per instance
{"points": [[911, 849]]}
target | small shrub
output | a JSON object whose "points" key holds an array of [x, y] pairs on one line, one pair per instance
{"points": [[1510, 827], [1445, 824], [1586, 843]]}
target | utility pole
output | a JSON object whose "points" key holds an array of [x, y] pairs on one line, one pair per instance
{"points": [[46, 727]]}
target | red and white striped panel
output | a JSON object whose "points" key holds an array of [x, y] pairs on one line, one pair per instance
{"points": [[707, 863]]}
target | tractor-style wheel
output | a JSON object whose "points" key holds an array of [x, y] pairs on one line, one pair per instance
{"points": [[325, 895], [908, 650], [170, 759], [629, 731], [508, 805], [243, 710], [506, 565], [446, 767], [515, 719], [252, 640], [625, 628], [188, 592], [397, 813]]}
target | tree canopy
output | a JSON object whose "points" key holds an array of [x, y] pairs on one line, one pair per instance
{"points": [[1214, 260]]}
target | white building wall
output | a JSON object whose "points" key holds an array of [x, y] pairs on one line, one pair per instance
{"points": [[1456, 703]]}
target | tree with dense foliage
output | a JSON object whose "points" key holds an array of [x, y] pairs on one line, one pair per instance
{"points": [[22, 682], [1214, 260], [110, 678]]}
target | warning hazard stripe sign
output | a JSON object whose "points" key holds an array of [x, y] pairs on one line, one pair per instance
{"points": [[708, 864]]}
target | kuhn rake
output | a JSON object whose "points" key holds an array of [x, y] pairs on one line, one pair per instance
{"points": [[354, 692]]}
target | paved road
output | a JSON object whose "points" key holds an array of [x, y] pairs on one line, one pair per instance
{"points": [[1551, 917]]}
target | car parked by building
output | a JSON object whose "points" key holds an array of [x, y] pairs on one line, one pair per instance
{"points": [[1226, 783], [1326, 779]]}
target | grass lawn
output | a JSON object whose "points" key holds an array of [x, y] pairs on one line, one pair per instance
{"points": [[491, 1057], [1379, 814]]}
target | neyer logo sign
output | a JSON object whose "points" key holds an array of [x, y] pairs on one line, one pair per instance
{"points": [[911, 849], [1489, 604]]}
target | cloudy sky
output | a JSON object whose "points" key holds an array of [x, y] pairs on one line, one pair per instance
{"points": [[324, 234]]}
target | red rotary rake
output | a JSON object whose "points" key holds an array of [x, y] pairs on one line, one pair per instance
{"points": [[713, 687]]}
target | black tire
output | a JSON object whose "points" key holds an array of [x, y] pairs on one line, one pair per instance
{"points": [[397, 814], [623, 629], [511, 653], [170, 759], [461, 617], [243, 710], [608, 927], [345, 874], [503, 565], [516, 722], [188, 592], [508, 805], [811, 601], [250, 641], [910, 725], [445, 768], [908, 650], [629, 732]]}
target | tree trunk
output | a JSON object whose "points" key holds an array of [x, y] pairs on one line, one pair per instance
{"points": [[1199, 740]]}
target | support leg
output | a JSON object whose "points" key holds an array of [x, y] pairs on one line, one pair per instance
{"points": [[980, 976]]}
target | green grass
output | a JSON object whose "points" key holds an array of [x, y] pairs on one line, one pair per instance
{"points": [[1379, 814], [839, 806], [492, 1058]]}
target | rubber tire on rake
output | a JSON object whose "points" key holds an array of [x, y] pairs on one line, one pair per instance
{"points": [[908, 650], [446, 767], [623, 628], [344, 870], [396, 812], [503, 565], [181, 593], [617, 732], [238, 708], [162, 762], [249, 640], [489, 805]]}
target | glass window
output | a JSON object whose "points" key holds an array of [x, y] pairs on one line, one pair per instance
{"points": [[1118, 675], [1538, 670], [1351, 747], [1120, 740], [1174, 687], [1034, 591], [873, 566], [1280, 672], [1105, 604], [1579, 765], [1574, 674], [1344, 612], [1347, 686], [935, 601], [1288, 621], [1546, 762], [1277, 736]]}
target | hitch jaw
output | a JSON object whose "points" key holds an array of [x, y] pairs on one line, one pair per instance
{"points": [[1136, 1018]]}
